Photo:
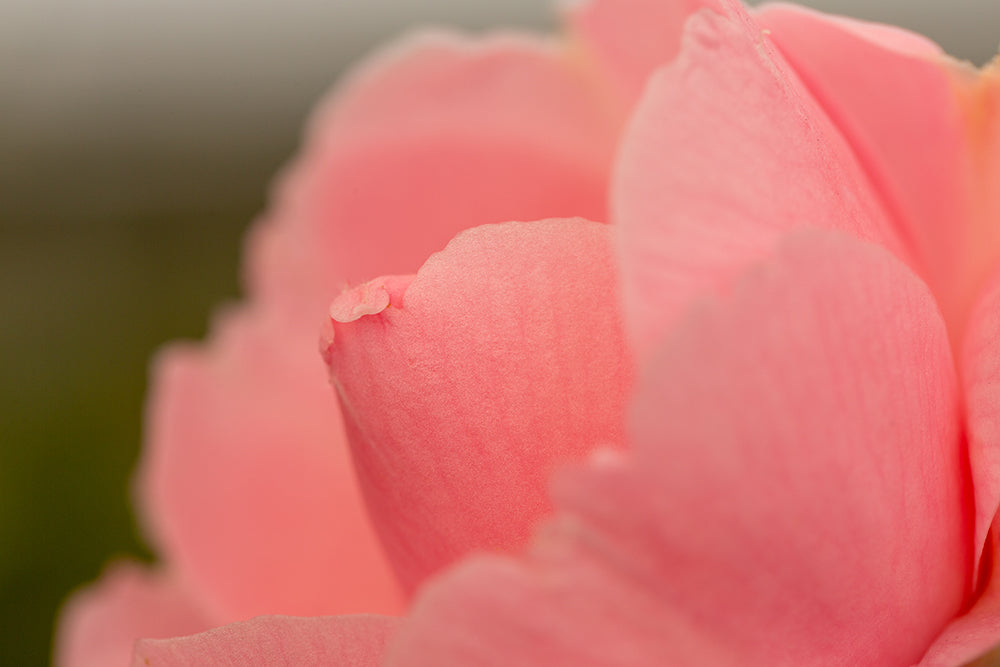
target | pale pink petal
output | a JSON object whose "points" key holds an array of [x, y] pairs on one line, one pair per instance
{"points": [[276, 641], [100, 624], [975, 632], [436, 135], [894, 96], [501, 358], [726, 153], [796, 493], [246, 480], [629, 39], [981, 376]]}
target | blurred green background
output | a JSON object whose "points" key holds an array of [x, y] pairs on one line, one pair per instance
{"points": [[137, 142]]}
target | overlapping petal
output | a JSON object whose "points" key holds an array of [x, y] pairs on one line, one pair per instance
{"points": [[937, 171], [726, 152], [101, 623], [276, 641], [800, 489], [869, 79], [245, 474], [981, 376], [823, 521], [975, 632], [629, 39], [439, 134], [246, 481], [463, 387]]}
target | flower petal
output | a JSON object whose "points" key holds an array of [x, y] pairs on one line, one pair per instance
{"points": [[273, 641], [795, 493], [894, 96], [100, 624], [438, 134], [839, 32], [502, 358], [981, 376], [246, 479], [975, 632], [631, 38], [726, 152]]}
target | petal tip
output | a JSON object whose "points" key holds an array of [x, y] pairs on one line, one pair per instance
{"points": [[354, 303]]}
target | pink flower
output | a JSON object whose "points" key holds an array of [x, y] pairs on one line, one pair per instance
{"points": [[753, 422]]}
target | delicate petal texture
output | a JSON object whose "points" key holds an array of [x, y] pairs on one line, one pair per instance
{"points": [[276, 641], [439, 134], [246, 480], [631, 38], [503, 357], [100, 624], [973, 634], [870, 80], [726, 153], [796, 494], [981, 375], [565, 606], [842, 442]]}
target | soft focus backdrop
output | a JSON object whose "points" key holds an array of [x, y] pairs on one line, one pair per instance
{"points": [[137, 142]]}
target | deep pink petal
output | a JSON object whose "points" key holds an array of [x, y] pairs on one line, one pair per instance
{"points": [[895, 97], [276, 641], [99, 625], [726, 153], [436, 135], [795, 496], [246, 479], [975, 632], [981, 376], [502, 358], [629, 39]]}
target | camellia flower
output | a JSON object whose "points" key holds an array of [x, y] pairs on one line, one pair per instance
{"points": [[755, 420]]}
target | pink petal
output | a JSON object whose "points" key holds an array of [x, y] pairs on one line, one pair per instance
{"points": [[795, 496], [894, 96], [500, 359], [981, 376], [436, 135], [885, 37], [272, 641], [977, 631], [726, 153], [631, 38], [100, 624], [247, 483]]}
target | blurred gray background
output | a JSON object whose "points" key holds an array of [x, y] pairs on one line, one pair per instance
{"points": [[137, 141]]}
